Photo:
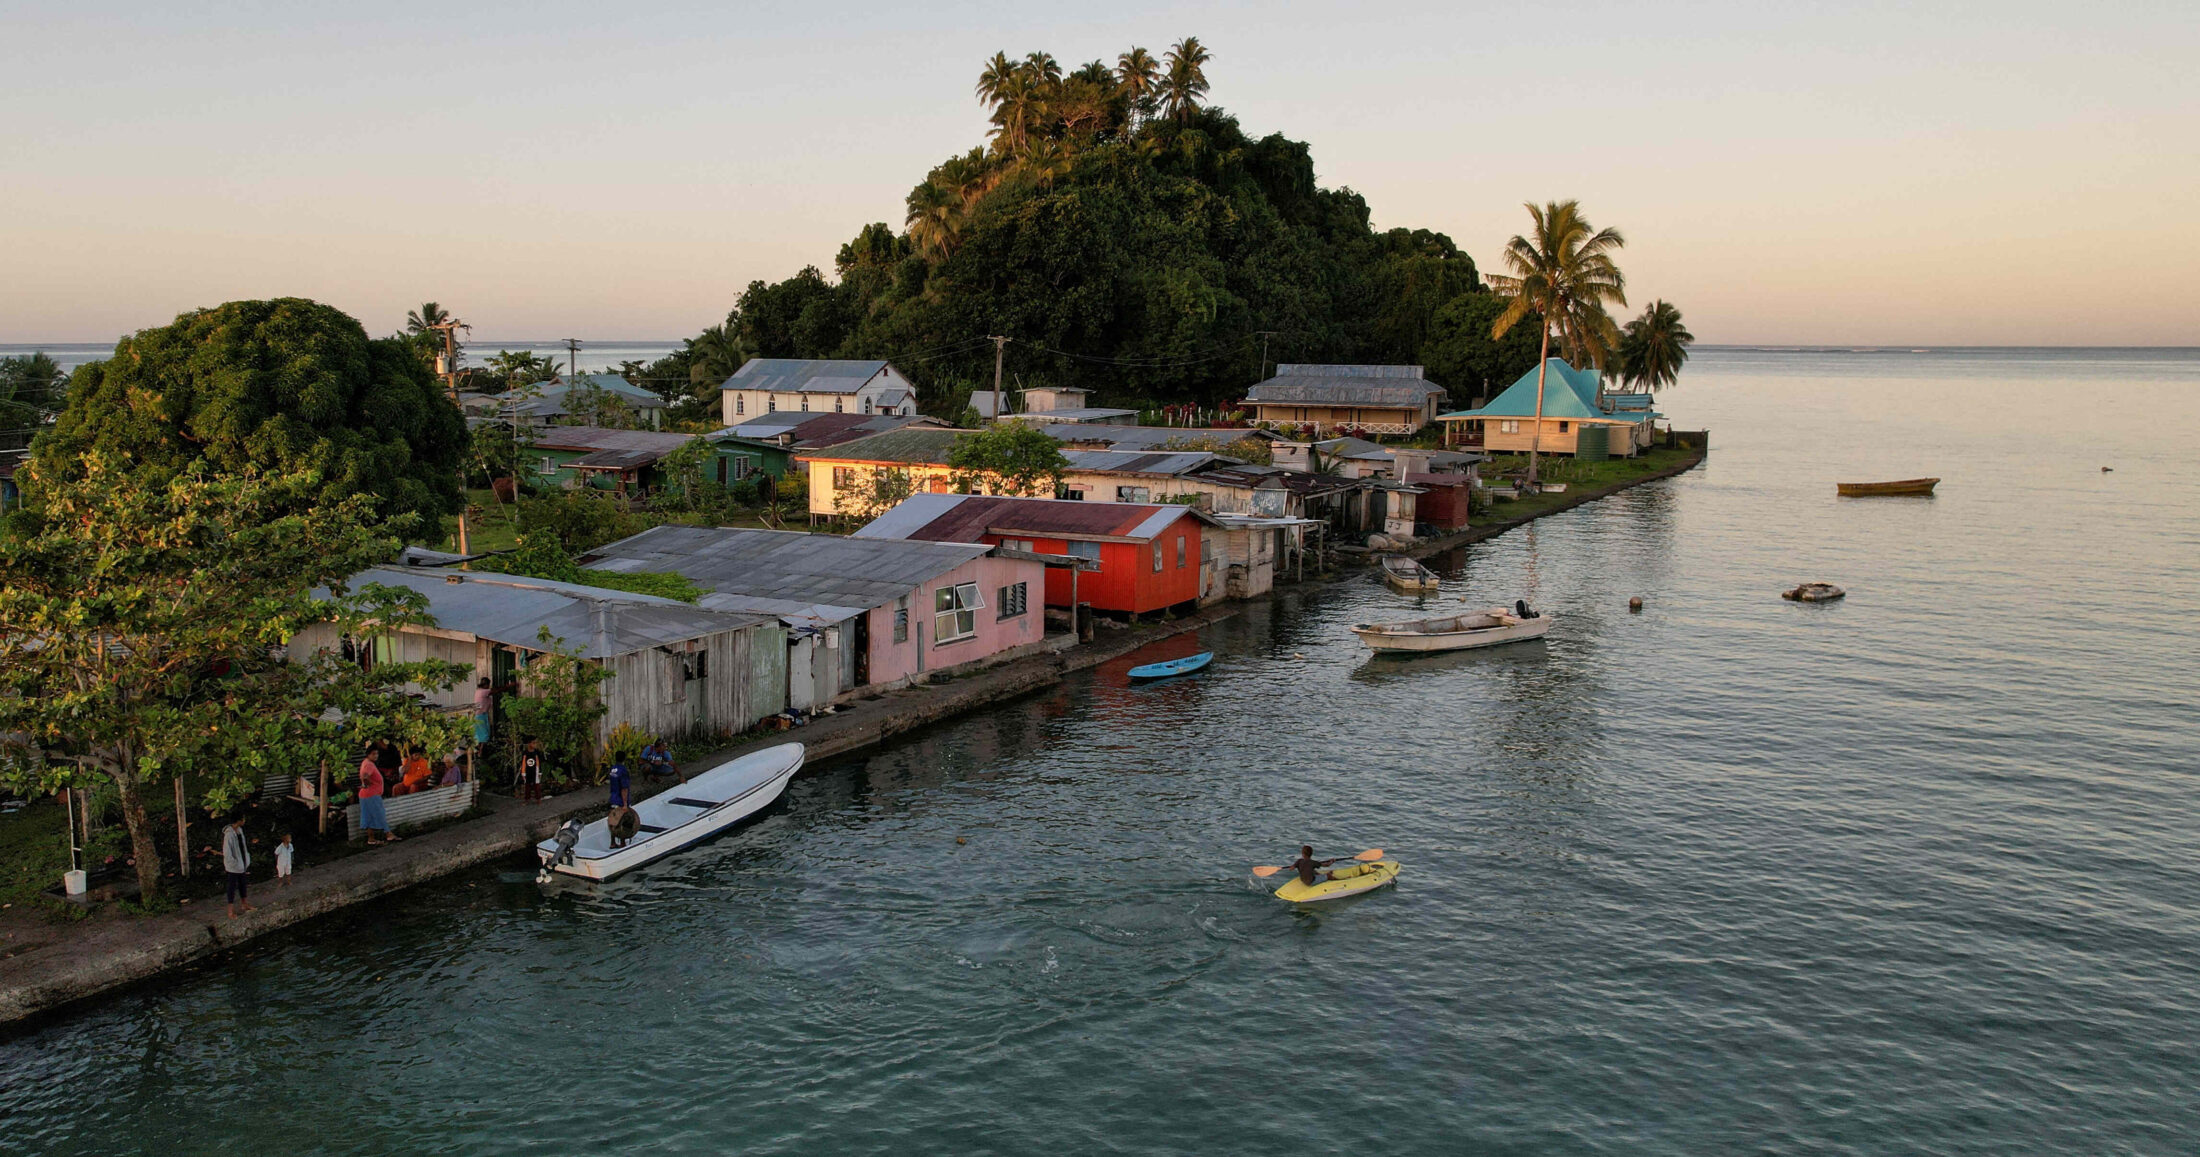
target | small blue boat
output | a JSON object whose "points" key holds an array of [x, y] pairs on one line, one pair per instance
{"points": [[1183, 666]]}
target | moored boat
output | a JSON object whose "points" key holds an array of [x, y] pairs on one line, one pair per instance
{"points": [[1183, 666], [680, 817], [1907, 486], [1456, 632], [1814, 593], [1404, 574]]}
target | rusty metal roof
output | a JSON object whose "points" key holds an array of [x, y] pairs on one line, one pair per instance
{"points": [[1172, 463], [970, 517]]}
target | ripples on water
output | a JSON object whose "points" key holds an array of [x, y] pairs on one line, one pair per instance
{"points": [[1907, 873]]}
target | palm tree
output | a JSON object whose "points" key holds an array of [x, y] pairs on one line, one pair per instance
{"points": [[426, 318], [1187, 78], [715, 354], [1021, 105], [935, 215], [1654, 346], [1138, 74], [1043, 69], [1563, 276], [995, 78]]}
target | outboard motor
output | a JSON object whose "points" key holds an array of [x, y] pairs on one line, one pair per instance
{"points": [[569, 834], [1520, 607]]}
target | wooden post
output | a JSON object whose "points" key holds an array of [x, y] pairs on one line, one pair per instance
{"points": [[183, 834], [321, 799]]}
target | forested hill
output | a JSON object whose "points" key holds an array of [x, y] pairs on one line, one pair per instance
{"points": [[1128, 239]]}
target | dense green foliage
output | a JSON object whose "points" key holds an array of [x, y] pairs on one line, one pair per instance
{"points": [[1009, 458], [1653, 347], [159, 607], [287, 386], [30, 389], [1126, 238], [541, 556]]}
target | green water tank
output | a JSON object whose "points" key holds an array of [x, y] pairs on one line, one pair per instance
{"points": [[1593, 444]]}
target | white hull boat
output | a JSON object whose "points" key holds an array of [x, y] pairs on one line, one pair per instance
{"points": [[1456, 632], [678, 817]]}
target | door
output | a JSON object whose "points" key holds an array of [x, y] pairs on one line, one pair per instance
{"points": [[859, 637]]}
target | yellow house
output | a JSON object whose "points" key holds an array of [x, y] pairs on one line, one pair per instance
{"points": [[1618, 425], [843, 478], [1374, 399]]}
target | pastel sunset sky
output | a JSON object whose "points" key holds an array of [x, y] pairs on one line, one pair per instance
{"points": [[1974, 173]]}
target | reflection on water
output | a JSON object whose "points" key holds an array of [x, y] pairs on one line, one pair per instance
{"points": [[1907, 873]]}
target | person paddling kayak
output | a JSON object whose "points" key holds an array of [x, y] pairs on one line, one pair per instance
{"points": [[1308, 867]]}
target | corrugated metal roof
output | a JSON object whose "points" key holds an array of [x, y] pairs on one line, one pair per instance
{"points": [[617, 459], [1084, 415], [787, 565], [920, 445], [804, 375], [602, 438], [1345, 386], [1567, 393], [1170, 463], [598, 623], [968, 517]]}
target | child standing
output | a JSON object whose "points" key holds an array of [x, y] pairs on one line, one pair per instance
{"points": [[283, 853], [530, 771]]}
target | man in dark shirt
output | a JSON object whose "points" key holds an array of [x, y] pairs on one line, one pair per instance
{"points": [[1306, 865], [622, 801]]}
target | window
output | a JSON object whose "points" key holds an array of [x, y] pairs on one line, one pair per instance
{"points": [[955, 612], [805, 403], [1180, 552], [1131, 493], [740, 403], [1012, 600], [1157, 558], [866, 405], [901, 620], [1562, 427], [771, 405], [1074, 495], [1089, 550], [1508, 427], [844, 479], [1022, 544]]}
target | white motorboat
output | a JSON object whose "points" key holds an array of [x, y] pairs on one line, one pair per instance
{"points": [[676, 818], [1456, 632]]}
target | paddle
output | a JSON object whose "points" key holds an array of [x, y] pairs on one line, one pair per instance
{"points": [[1265, 872]]}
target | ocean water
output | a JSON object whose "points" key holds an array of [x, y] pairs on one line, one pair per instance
{"points": [[1910, 873], [593, 356]]}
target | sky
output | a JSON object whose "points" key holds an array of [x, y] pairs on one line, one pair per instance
{"points": [[2011, 173]]}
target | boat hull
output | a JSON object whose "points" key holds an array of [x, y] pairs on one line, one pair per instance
{"points": [[1369, 878], [1912, 487], [1409, 577], [1429, 635], [1183, 666], [677, 819]]}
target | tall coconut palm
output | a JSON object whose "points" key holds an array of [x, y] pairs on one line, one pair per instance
{"points": [[426, 318], [1563, 274], [1021, 107], [935, 219], [715, 354], [1138, 75], [994, 78], [1043, 69], [1186, 83], [1653, 347]]}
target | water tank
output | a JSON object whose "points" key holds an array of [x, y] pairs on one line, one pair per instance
{"points": [[1593, 443]]}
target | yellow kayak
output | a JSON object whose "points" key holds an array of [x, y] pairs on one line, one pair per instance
{"points": [[1348, 881]]}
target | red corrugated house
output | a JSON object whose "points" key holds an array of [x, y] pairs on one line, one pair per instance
{"points": [[1444, 503], [1150, 557]]}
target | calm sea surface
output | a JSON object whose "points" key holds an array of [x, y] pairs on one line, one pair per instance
{"points": [[1910, 873]]}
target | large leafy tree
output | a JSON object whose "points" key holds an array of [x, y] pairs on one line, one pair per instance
{"points": [[288, 386], [1654, 346], [1129, 237], [141, 630], [1561, 273], [1009, 458], [30, 388], [1461, 354]]}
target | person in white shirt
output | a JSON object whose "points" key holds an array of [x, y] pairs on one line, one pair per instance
{"points": [[283, 853], [236, 862]]}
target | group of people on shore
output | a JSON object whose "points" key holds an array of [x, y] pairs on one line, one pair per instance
{"points": [[386, 772]]}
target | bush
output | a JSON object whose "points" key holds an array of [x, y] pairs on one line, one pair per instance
{"points": [[578, 519]]}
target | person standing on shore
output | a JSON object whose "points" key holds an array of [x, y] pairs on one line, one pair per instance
{"points": [[374, 817], [284, 853], [237, 864], [485, 698], [530, 771]]}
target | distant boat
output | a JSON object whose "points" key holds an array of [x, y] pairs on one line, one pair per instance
{"points": [[1406, 575], [1455, 632], [1814, 593], [1184, 666], [1910, 486], [696, 810]]}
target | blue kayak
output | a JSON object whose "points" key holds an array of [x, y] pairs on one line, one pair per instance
{"points": [[1184, 666]]}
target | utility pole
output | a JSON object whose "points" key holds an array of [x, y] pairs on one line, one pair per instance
{"points": [[448, 365], [1264, 336], [1000, 346], [572, 356]]}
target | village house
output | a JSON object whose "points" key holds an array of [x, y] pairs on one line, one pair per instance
{"points": [[844, 478], [1578, 418], [1369, 399], [1139, 559], [812, 385], [626, 461], [1057, 405], [1132, 476], [677, 669], [861, 614], [554, 402], [797, 431]]}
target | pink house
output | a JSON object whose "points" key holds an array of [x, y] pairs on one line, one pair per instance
{"points": [[863, 614]]}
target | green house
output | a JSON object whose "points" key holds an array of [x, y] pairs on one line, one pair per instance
{"points": [[627, 461]]}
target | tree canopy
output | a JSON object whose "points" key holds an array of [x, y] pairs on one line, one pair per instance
{"points": [[1127, 237], [287, 386]]}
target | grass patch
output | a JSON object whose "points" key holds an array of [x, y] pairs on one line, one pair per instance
{"points": [[1579, 477]]}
